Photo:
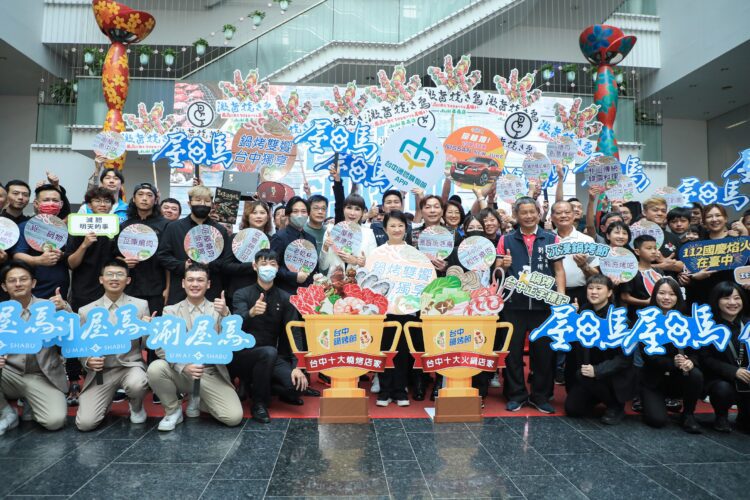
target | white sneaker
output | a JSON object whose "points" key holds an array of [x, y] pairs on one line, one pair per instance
{"points": [[402, 402], [169, 422], [375, 384], [193, 409], [28, 413], [8, 419], [383, 402], [137, 417], [495, 382]]}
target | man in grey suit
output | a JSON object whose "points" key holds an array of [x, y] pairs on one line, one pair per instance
{"points": [[38, 378], [217, 394], [126, 371]]}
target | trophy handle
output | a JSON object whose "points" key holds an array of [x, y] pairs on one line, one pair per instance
{"points": [[289, 327], [396, 337], [411, 324]]}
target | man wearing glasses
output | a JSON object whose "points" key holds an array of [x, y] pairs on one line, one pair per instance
{"points": [[316, 223], [297, 210], [126, 371]]}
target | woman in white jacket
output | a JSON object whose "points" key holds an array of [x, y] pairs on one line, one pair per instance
{"points": [[332, 260]]}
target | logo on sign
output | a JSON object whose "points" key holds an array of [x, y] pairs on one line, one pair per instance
{"points": [[200, 114], [518, 125], [417, 151]]}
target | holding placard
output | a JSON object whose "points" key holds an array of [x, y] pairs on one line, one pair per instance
{"points": [[301, 256], [45, 232], [203, 244], [347, 237], [100, 224], [138, 241], [247, 243], [436, 242], [9, 233]]}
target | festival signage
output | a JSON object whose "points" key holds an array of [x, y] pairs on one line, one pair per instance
{"points": [[476, 156], [247, 243], [566, 325], [742, 275], [271, 152], [623, 191], [206, 148], [476, 253], [536, 286], [715, 255], [537, 168], [203, 244], [9, 233], [146, 131], [19, 336], [45, 232], [413, 157], [100, 224], [592, 249], [202, 344], [620, 265], [301, 256], [436, 242], [347, 238], [674, 198], [631, 167], [603, 171], [138, 241], [561, 149], [401, 272], [98, 336], [271, 192], [227, 204], [510, 187], [110, 145], [644, 226], [728, 195]]}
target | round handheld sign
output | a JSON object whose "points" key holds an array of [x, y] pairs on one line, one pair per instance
{"points": [[476, 253], [9, 233], [204, 244], [561, 149], [603, 171], [347, 237], [138, 241], [436, 242], [644, 226], [45, 232], [476, 156], [271, 192], [247, 243], [413, 157], [675, 199], [301, 256], [623, 191], [400, 272], [619, 264], [536, 167], [510, 187], [110, 145]]}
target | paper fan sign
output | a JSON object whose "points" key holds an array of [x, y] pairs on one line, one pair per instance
{"points": [[623, 191], [301, 256], [510, 187], [138, 241], [413, 157], [476, 253], [619, 264], [644, 226], [271, 192], [603, 171], [561, 149], [436, 242], [674, 198], [247, 242], [742, 275], [45, 232], [270, 151], [204, 244], [476, 156], [110, 145], [536, 167], [400, 272], [347, 238], [9, 233]]}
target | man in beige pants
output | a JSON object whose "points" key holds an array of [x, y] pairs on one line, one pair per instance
{"points": [[217, 394], [38, 378], [126, 371]]}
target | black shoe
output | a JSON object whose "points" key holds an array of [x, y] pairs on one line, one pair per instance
{"points": [[637, 405], [560, 376], [364, 378], [73, 394], [673, 405], [543, 407], [612, 416], [311, 392], [260, 414], [689, 424], [119, 396], [418, 391], [324, 378], [157, 401], [292, 401], [434, 393], [721, 424]]}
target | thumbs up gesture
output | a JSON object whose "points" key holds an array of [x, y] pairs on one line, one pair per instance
{"points": [[507, 260], [259, 307], [220, 305], [148, 319], [58, 300]]}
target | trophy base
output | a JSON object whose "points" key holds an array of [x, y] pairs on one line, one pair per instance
{"points": [[458, 409], [344, 411]]}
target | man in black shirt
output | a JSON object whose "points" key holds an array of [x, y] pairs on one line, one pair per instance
{"points": [[297, 210], [171, 254], [19, 194], [265, 310], [392, 200]]}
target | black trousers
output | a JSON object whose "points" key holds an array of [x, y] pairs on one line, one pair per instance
{"points": [[393, 380], [586, 393], [541, 357], [675, 384], [724, 394], [263, 371]]}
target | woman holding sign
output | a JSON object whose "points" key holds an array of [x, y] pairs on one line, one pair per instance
{"points": [[240, 273], [347, 244], [726, 373]]}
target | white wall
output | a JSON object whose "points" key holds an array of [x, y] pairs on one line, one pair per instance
{"points": [[685, 149], [17, 133], [725, 144]]}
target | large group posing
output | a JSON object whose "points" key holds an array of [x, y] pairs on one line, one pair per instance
{"points": [[90, 272]]}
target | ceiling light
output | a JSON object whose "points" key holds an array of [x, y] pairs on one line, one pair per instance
{"points": [[735, 124]]}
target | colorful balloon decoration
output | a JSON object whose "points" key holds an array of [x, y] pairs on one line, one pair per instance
{"points": [[605, 46], [123, 26]]}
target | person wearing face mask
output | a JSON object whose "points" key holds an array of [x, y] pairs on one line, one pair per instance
{"points": [[269, 365], [49, 266], [171, 253], [297, 210]]}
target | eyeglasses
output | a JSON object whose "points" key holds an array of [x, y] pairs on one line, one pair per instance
{"points": [[24, 279], [118, 276], [318, 209], [101, 201]]}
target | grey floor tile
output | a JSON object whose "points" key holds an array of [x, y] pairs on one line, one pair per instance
{"points": [[677, 484], [277, 424], [394, 444], [40, 443], [253, 456], [121, 428], [223, 489], [16, 471], [405, 480], [514, 456], [427, 425], [547, 487], [176, 447], [620, 448], [725, 480], [163, 481], [737, 441], [552, 436]]}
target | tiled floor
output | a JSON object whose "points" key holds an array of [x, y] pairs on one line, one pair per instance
{"points": [[533, 457]]}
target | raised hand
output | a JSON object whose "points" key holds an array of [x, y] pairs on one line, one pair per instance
{"points": [[220, 305], [58, 300], [259, 307]]}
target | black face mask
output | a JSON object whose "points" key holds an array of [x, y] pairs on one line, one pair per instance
{"points": [[200, 211], [474, 233]]}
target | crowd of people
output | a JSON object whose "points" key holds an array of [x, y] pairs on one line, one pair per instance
{"points": [[91, 272]]}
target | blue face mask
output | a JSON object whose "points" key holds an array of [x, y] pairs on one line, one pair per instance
{"points": [[267, 273]]}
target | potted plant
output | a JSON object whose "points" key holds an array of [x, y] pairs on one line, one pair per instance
{"points": [[200, 46], [283, 4], [570, 71], [229, 30], [62, 93], [95, 68], [257, 16], [144, 54], [547, 71], [88, 55], [619, 76], [169, 56]]}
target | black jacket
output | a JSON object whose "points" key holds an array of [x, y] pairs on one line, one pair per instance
{"points": [[286, 279], [148, 278], [655, 367], [717, 365], [381, 238]]}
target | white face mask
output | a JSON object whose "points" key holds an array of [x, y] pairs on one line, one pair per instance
{"points": [[267, 273]]}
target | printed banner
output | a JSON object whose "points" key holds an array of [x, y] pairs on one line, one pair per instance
{"points": [[45, 232], [100, 224], [400, 272], [413, 157], [271, 152], [138, 241], [536, 286], [715, 255], [247, 242], [203, 244], [557, 250], [227, 204], [98, 337], [437, 362], [18, 336], [476, 156], [345, 359]]}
